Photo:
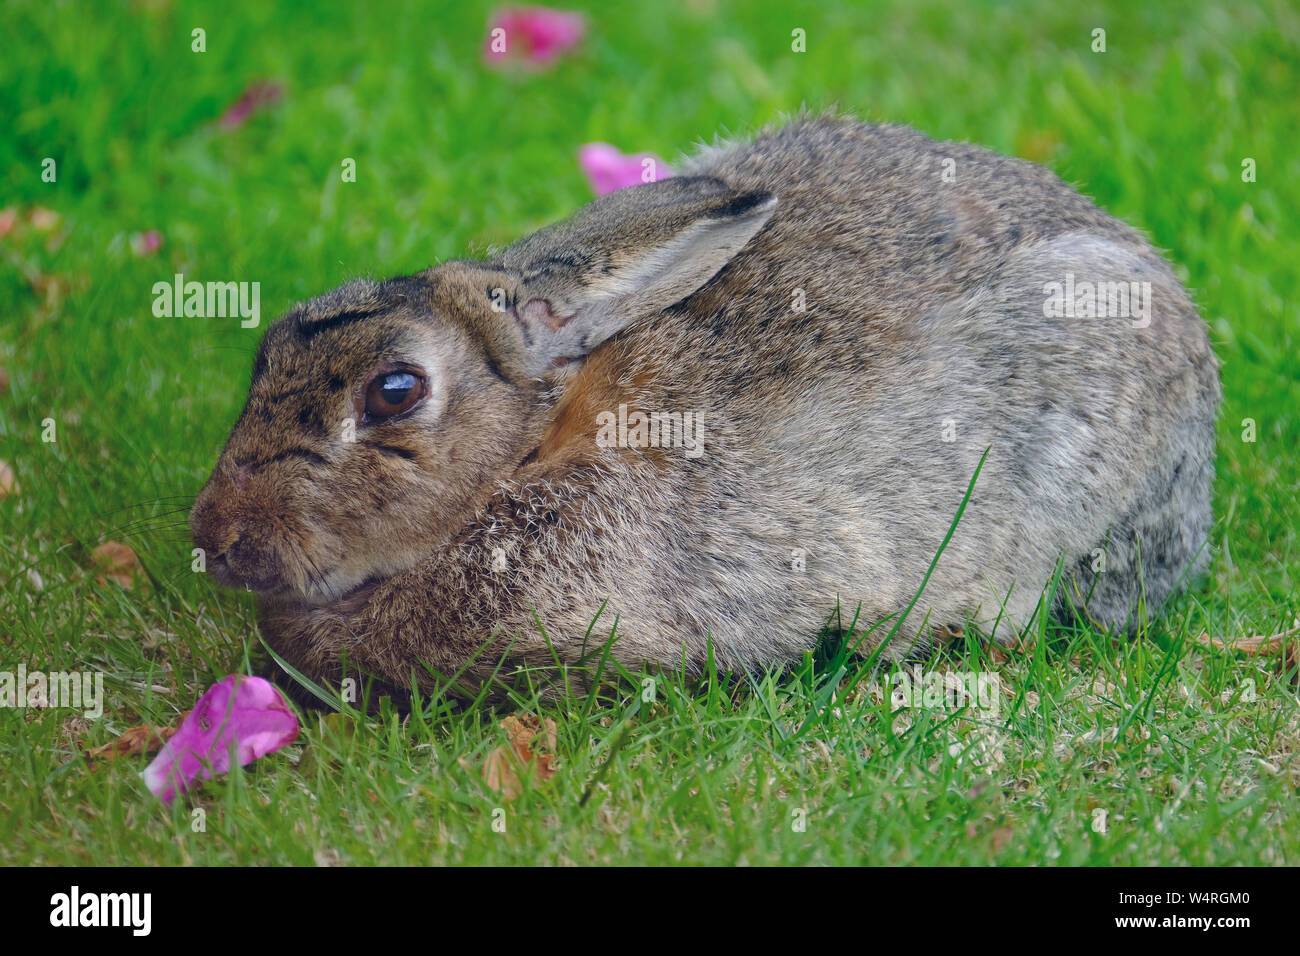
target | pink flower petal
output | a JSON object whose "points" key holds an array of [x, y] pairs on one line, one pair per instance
{"points": [[536, 34], [258, 95], [146, 244], [608, 169], [247, 712]]}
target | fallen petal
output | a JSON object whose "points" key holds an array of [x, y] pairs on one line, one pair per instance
{"points": [[244, 714], [146, 244], [536, 34], [258, 95], [608, 169]]}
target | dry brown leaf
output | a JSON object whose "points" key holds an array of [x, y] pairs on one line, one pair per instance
{"points": [[1000, 653], [43, 219], [4, 378], [946, 634], [8, 483], [499, 774], [50, 286], [1037, 145], [136, 741], [1255, 645], [1025, 645], [502, 766], [1002, 838], [117, 562]]}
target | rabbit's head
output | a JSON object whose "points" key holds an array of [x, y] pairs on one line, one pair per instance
{"points": [[381, 415]]}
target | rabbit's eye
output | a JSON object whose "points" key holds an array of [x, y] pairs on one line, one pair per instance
{"points": [[392, 393]]}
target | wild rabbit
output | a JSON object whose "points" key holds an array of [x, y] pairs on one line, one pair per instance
{"points": [[715, 408]]}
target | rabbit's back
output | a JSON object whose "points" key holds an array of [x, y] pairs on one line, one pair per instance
{"points": [[851, 365]]}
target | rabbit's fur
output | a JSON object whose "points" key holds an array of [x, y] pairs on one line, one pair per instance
{"points": [[834, 444]]}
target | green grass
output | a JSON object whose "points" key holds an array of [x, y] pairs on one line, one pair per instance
{"points": [[1193, 753]]}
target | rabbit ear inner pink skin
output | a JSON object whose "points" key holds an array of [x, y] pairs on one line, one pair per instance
{"points": [[246, 712]]}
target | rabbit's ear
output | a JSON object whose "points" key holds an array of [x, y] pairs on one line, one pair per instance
{"points": [[624, 257]]}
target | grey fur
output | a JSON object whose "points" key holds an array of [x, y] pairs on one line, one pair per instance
{"points": [[823, 430]]}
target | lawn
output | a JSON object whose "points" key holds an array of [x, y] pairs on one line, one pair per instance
{"points": [[1155, 750]]}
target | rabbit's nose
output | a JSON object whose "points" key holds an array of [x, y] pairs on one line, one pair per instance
{"points": [[237, 554], [249, 565], [208, 530]]}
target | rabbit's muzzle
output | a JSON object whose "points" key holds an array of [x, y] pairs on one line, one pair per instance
{"points": [[245, 543], [237, 552], [245, 565]]}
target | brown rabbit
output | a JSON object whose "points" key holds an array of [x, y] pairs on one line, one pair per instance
{"points": [[714, 408]]}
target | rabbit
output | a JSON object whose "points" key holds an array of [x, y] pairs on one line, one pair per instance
{"points": [[707, 417]]}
